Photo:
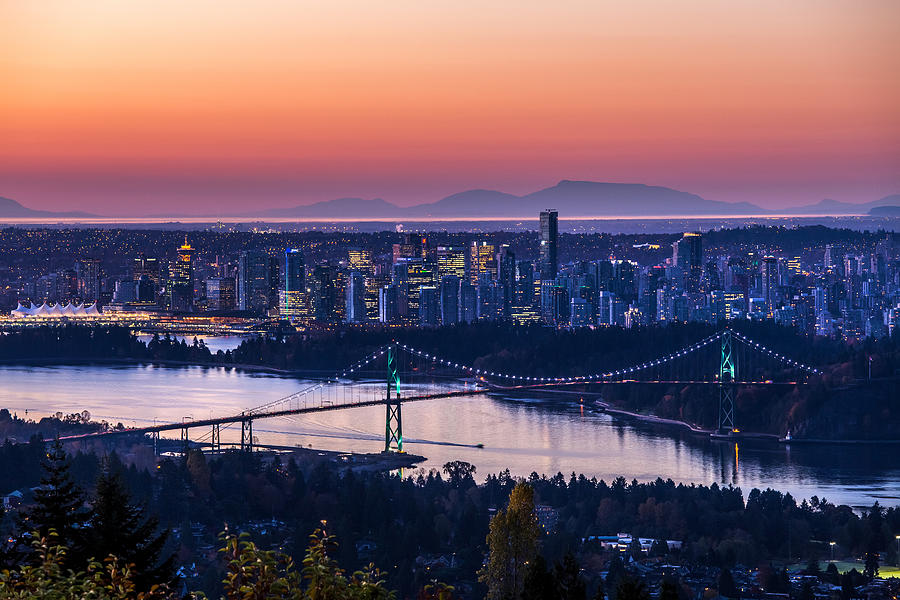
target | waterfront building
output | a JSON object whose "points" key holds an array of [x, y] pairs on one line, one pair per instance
{"points": [[257, 277], [180, 288]]}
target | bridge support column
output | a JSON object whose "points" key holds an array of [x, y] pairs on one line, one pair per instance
{"points": [[216, 439], [727, 376], [185, 441], [393, 424], [247, 435], [155, 437]]}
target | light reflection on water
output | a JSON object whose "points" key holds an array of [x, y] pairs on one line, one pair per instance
{"points": [[522, 435]]}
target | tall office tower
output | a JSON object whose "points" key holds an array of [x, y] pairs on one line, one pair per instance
{"points": [[387, 304], [606, 312], [468, 302], [414, 245], [506, 277], [559, 305], [325, 294], [549, 234], [769, 283], [852, 280], [255, 281], [623, 283], [409, 275], [693, 253], [359, 259], [356, 298], [221, 293], [656, 278], [88, 273], [490, 300], [580, 313], [482, 261], [711, 278], [451, 260], [524, 295], [180, 290], [294, 300], [146, 290], [429, 306], [145, 265], [829, 259], [449, 299]]}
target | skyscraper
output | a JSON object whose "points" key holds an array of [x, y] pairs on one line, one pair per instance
{"points": [[181, 279], [687, 255], [549, 233], [482, 262], [294, 302], [88, 272], [769, 283], [256, 280], [221, 293], [356, 298], [451, 260]]}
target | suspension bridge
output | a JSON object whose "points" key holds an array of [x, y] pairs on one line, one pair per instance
{"points": [[726, 360]]}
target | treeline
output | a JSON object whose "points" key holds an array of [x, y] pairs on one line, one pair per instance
{"points": [[401, 523]]}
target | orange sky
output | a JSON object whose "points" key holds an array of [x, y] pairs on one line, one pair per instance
{"points": [[213, 106]]}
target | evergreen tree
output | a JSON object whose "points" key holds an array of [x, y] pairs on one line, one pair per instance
{"points": [[569, 583], [726, 584], [59, 505], [512, 543], [121, 528], [871, 568], [630, 588], [668, 590], [615, 573], [540, 582]]}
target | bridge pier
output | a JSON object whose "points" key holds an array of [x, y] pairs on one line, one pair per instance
{"points": [[727, 377], [185, 441], [393, 424], [155, 437]]}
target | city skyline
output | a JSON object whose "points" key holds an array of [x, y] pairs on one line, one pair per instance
{"points": [[115, 110]]}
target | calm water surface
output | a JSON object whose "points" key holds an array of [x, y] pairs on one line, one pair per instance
{"points": [[524, 435]]}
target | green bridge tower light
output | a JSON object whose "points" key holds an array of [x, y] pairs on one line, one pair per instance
{"points": [[393, 425], [727, 377]]}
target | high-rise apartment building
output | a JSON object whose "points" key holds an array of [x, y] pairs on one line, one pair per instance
{"points": [[294, 297]]}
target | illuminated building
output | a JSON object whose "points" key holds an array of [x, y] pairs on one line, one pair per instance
{"points": [[580, 313], [387, 304], [221, 293], [359, 259], [413, 246], [687, 255], [88, 272], [356, 298], [451, 260], [524, 294], [482, 262], [294, 297], [548, 249], [769, 283], [180, 289], [257, 278], [468, 302]]}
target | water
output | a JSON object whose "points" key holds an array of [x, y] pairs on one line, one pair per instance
{"points": [[523, 435]]}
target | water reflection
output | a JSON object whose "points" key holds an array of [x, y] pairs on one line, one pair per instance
{"points": [[522, 434]]}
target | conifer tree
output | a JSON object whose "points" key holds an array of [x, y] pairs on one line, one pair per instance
{"points": [[58, 504], [119, 527]]}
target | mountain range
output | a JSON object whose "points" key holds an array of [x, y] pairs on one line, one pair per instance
{"points": [[570, 198]]}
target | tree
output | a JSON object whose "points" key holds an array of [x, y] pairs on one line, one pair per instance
{"points": [[512, 543], [122, 529], [871, 567], [540, 582], [726, 584], [47, 578], [614, 574], [630, 588], [806, 591], [59, 504], [458, 471], [569, 584], [668, 590]]}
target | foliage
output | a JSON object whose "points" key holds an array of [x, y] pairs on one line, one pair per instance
{"points": [[48, 580], [512, 543]]}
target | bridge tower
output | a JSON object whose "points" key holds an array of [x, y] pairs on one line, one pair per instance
{"points": [[247, 434], [393, 425], [727, 376]]}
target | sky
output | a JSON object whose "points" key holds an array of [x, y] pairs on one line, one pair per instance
{"points": [[210, 107]]}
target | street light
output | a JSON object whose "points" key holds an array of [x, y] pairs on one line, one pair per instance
{"points": [[832, 549], [897, 537]]}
